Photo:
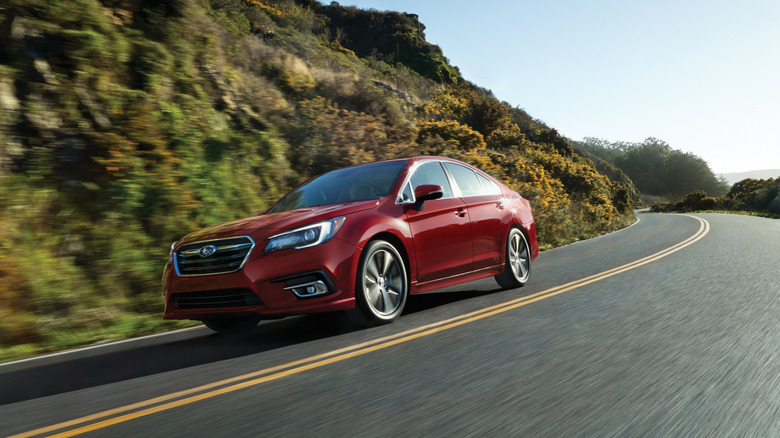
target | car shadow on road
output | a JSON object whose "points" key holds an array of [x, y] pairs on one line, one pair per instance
{"points": [[79, 370]]}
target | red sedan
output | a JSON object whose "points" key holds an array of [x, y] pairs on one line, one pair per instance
{"points": [[359, 239]]}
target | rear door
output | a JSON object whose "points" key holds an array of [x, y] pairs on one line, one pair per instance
{"points": [[489, 220]]}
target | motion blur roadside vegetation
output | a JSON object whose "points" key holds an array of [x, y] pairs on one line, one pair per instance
{"points": [[126, 124], [757, 197]]}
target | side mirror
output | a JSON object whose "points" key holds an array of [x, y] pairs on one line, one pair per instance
{"points": [[428, 192]]}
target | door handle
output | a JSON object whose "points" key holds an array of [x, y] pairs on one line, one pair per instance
{"points": [[461, 212]]}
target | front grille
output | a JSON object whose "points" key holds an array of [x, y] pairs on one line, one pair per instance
{"points": [[211, 257], [215, 299]]}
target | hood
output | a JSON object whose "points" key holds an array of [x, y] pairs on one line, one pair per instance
{"points": [[266, 225]]}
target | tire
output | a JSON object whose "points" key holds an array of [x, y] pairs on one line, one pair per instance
{"points": [[517, 268], [381, 286], [231, 325]]}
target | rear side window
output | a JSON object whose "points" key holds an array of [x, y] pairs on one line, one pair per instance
{"points": [[488, 186], [431, 173], [466, 179]]}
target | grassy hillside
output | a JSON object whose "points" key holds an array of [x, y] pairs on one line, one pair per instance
{"points": [[125, 124]]}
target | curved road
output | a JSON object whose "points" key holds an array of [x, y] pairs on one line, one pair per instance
{"points": [[668, 328]]}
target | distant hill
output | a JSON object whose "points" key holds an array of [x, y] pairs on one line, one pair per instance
{"points": [[656, 169], [735, 177]]}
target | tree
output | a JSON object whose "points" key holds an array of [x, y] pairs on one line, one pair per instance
{"points": [[657, 169]]}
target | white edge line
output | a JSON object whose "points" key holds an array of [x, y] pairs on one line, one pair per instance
{"points": [[61, 356]]}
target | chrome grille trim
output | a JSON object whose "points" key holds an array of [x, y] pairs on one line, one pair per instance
{"points": [[193, 252], [230, 255]]}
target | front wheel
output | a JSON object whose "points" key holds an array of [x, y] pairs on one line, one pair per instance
{"points": [[517, 268], [381, 286]]}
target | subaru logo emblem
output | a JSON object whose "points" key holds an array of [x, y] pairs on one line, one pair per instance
{"points": [[207, 251]]}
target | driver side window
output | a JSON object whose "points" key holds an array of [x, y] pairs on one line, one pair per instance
{"points": [[431, 173]]}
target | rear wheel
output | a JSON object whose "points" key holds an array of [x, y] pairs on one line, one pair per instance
{"points": [[231, 325], [517, 268], [381, 287]]}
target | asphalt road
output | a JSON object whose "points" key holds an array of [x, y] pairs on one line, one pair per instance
{"points": [[682, 340]]}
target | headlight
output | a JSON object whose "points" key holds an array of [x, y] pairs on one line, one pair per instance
{"points": [[305, 237]]}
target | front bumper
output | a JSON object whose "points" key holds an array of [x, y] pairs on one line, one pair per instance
{"points": [[276, 284]]}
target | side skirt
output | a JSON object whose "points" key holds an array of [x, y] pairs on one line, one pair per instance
{"points": [[479, 274]]}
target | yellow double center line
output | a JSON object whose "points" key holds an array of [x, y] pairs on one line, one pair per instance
{"points": [[181, 398]]}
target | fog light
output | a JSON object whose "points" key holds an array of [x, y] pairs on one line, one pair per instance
{"points": [[311, 289]]}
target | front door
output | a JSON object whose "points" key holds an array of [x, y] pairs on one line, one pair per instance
{"points": [[441, 229]]}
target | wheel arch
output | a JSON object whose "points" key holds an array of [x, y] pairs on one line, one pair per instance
{"points": [[523, 220], [399, 246], [364, 313], [515, 224], [509, 279]]}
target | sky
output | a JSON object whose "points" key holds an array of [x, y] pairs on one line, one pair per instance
{"points": [[703, 76]]}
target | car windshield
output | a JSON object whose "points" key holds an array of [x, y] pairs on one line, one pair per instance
{"points": [[359, 183]]}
